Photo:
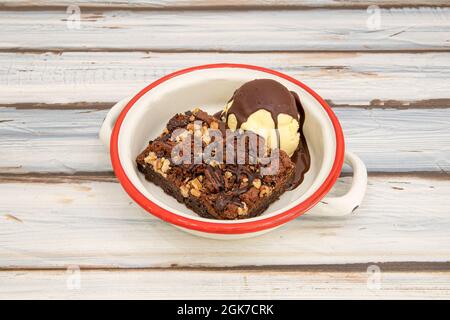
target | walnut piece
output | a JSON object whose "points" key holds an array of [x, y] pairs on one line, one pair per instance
{"points": [[195, 193], [264, 191], [165, 165], [158, 164], [196, 184], [243, 211], [257, 183], [150, 158], [184, 191]]}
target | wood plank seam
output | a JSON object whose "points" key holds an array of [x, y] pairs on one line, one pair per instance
{"points": [[402, 266], [441, 103], [108, 176], [58, 50], [223, 7]]}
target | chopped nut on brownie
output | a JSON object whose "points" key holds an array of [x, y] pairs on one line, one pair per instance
{"points": [[184, 191], [196, 184], [213, 189], [165, 165], [243, 211], [264, 191], [150, 158], [257, 183], [195, 193]]}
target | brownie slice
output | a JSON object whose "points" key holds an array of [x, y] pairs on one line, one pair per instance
{"points": [[234, 188]]}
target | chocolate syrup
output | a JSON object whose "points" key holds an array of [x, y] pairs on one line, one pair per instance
{"points": [[301, 156], [275, 98], [218, 115], [264, 94]]}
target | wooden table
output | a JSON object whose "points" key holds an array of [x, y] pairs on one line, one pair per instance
{"points": [[67, 229]]}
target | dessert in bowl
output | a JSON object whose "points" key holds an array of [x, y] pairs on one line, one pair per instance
{"points": [[132, 123], [216, 172]]}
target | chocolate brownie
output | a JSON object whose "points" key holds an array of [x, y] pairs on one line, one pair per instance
{"points": [[240, 186]]}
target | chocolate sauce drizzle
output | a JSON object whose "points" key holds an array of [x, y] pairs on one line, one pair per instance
{"points": [[275, 98], [301, 156], [263, 94]]}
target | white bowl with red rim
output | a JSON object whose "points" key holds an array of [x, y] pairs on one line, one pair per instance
{"points": [[132, 122]]}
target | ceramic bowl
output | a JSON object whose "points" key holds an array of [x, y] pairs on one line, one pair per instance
{"points": [[132, 122]]}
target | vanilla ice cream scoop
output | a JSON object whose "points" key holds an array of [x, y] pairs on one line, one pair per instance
{"points": [[263, 105]]}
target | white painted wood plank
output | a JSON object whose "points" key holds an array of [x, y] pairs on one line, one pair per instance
{"points": [[241, 30], [42, 225], [66, 140], [343, 78], [52, 141], [160, 4], [220, 285]]}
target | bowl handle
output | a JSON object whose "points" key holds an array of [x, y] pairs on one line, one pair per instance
{"points": [[110, 120], [346, 204]]}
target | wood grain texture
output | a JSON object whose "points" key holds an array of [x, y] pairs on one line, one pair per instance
{"points": [[248, 30], [61, 206], [67, 140], [94, 224], [234, 4], [141, 284], [354, 79]]}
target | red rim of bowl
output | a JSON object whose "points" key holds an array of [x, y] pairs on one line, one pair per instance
{"points": [[217, 227]]}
